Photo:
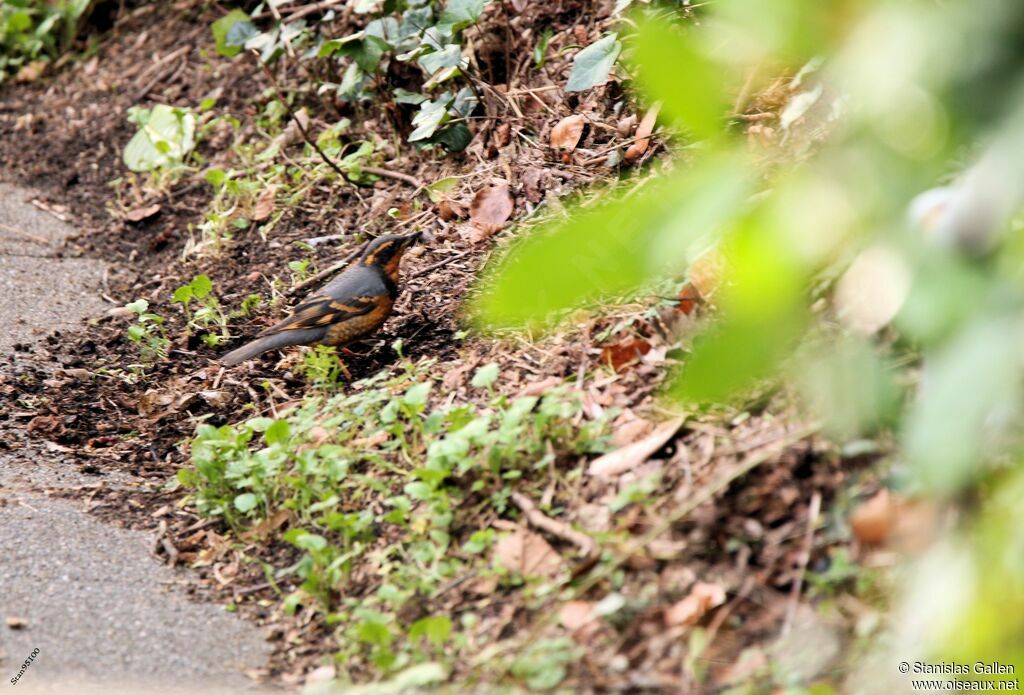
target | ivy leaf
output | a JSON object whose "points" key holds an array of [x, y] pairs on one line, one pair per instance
{"points": [[429, 117], [228, 35], [245, 502], [461, 13], [454, 138], [166, 134], [592, 65]]}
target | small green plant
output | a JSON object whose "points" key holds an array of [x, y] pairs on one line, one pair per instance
{"points": [[31, 31], [165, 137], [207, 313], [322, 368], [147, 331], [376, 472]]}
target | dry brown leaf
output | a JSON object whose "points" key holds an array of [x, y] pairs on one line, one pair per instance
{"points": [[268, 525], [702, 598], [620, 355], [539, 388], [139, 214], [707, 273], [527, 553], [567, 133], [873, 521], [628, 457], [265, 203], [490, 209], [31, 71], [689, 297], [643, 134], [575, 614]]}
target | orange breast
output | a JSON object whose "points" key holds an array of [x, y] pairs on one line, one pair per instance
{"points": [[357, 327]]}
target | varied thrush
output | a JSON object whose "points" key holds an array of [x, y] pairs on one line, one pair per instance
{"points": [[352, 305]]}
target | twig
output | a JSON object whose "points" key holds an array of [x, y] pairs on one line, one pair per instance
{"points": [[556, 528], [25, 235], [805, 557], [435, 266], [298, 123], [299, 12], [388, 173], [375, 171], [324, 273]]}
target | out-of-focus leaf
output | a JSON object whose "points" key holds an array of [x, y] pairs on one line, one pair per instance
{"points": [[691, 86], [461, 13], [763, 305], [592, 65], [614, 247], [965, 403]]}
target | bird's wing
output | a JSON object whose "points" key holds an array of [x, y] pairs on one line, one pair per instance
{"points": [[321, 310], [353, 293]]}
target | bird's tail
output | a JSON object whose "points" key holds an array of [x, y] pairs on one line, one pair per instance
{"points": [[271, 342]]}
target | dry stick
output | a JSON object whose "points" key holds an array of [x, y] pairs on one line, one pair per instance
{"points": [[706, 495], [24, 235], [435, 266], [805, 558], [375, 171], [537, 518]]}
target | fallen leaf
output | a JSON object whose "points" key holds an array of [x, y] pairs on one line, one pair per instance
{"points": [[139, 214], [16, 623], [576, 614], [527, 553], [153, 400], [490, 209], [689, 297], [265, 203], [873, 521], [872, 290], [31, 71], [751, 663], [643, 134], [621, 354], [628, 432], [621, 460], [567, 132], [702, 598], [539, 388]]}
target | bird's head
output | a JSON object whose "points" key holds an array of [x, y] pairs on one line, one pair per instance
{"points": [[386, 251]]}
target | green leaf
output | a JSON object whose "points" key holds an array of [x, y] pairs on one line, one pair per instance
{"points": [[690, 86], [417, 394], [307, 541], [201, 285], [592, 65], [461, 13], [454, 138], [166, 135], [223, 27], [246, 502], [435, 628], [182, 295], [139, 306], [429, 117], [277, 432], [614, 247], [486, 375], [436, 190]]}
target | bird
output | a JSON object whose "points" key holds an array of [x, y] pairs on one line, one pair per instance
{"points": [[352, 305]]}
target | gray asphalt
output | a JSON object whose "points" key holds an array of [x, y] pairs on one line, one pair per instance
{"points": [[104, 615]]}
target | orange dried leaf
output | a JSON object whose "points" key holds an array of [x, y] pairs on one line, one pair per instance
{"points": [[873, 521], [265, 204], [643, 134], [490, 209], [567, 133], [139, 214], [528, 554], [689, 297], [702, 598], [621, 354], [707, 273]]}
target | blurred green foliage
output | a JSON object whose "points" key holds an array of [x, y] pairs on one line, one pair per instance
{"points": [[910, 94], [32, 30]]}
